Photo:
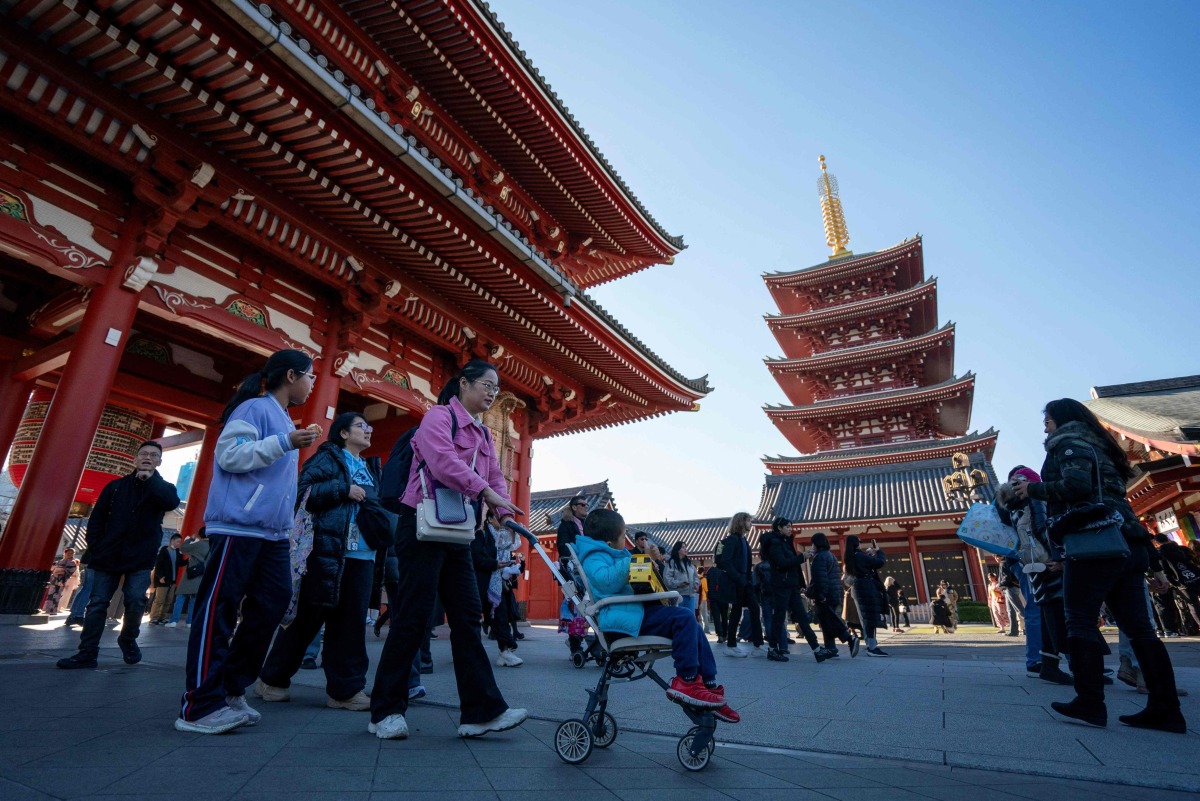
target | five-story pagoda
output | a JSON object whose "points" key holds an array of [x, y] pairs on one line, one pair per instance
{"points": [[876, 408]]}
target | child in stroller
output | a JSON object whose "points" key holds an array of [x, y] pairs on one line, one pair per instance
{"points": [[606, 565]]}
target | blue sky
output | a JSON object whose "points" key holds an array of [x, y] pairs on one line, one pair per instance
{"points": [[1047, 152]]}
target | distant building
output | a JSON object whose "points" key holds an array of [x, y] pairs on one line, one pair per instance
{"points": [[183, 484]]}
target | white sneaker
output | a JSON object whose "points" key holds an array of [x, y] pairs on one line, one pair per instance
{"points": [[271, 694], [393, 727], [238, 704], [509, 720], [359, 702], [223, 720], [760, 650], [509, 659], [170, 625], [735, 651], [417, 693]]}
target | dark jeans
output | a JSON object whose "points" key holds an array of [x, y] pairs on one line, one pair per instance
{"points": [[247, 575], [344, 657], [744, 599], [104, 584], [720, 617], [426, 570], [83, 597], [833, 628], [1054, 628], [689, 647], [500, 621], [785, 602], [1119, 584]]}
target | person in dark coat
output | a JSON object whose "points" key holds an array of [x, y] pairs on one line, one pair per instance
{"points": [[868, 589], [735, 558], [1078, 451], [491, 553], [719, 599], [826, 593], [124, 534], [1182, 572], [939, 611], [336, 590], [570, 527], [778, 549]]}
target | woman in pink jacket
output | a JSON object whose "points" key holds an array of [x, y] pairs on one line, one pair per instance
{"points": [[454, 448]]}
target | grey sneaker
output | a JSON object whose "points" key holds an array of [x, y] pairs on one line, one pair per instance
{"points": [[219, 722], [393, 727], [238, 704], [509, 720]]}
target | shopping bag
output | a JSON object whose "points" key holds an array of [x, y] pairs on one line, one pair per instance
{"points": [[983, 528]]}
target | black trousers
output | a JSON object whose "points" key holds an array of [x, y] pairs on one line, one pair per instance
{"points": [[744, 600], [833, 628], [500, 621], [786, 602], [428, 569], [243, 575], [344, 654], [1054, 628], [720, 617]]}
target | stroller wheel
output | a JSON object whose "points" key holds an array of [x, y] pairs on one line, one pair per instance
{"points": [[578, 659], [690, 761], [573, 742], [603, 728]]}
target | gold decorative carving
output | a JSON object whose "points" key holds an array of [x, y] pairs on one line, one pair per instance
{"points": [[499, 420]]}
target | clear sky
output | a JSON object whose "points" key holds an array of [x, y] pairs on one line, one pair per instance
{"points": [[1047, 152]]}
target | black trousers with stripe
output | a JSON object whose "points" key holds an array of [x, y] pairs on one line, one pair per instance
{"points": [[242, 573]]}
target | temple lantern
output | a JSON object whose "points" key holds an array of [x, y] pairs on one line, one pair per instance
{"points": [[114, 446]]}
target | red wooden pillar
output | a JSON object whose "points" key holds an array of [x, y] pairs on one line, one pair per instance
{"points": [[35, 526], [321, 406], [14, 396], [522, 460], [972, 557], [193, 517], [918, 571]]}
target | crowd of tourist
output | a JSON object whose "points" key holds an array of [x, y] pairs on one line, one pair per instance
{"points": [[287, 568]]}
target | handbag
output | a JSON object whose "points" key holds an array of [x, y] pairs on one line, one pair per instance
{"points": [[1090, 530], [376, 524], [983, 528], [446, 515], [195, 567]]}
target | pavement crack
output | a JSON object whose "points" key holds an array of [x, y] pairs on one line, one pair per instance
{"points": [[1090, 753]]}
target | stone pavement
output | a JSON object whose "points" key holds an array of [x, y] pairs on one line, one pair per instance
{"points": [[910, 727]]}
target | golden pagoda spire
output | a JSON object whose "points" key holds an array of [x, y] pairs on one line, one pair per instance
{"points": [[836, 235]]}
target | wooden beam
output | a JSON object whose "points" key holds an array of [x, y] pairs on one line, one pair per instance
{"points": [[47, 360], [181, 440]]}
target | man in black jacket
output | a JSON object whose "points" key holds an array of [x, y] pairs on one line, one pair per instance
{"points": [[778, 549], [734, 559], [124, 533], [166, 567]]}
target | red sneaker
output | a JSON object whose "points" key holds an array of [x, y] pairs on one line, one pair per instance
{"points": [[693, 693], [727, 714]]}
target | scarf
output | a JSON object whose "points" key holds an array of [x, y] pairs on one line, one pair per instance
{"points": [[505, 540]]}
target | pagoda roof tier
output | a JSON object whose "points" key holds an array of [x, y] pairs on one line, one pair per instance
{"points": [[950, 399], [871, 455], [546, 507], [1162, 415], [482, 80], [907, 253], [935, 350], [307, 170], [897, 493]]}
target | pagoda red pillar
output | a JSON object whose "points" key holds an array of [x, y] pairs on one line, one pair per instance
{"points": [[918, 571], [14, 396], [977, 582], [35, 525], [193, 517], [321, 406]]}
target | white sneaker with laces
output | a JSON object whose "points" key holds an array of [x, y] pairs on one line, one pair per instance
{"points": [[509, 720], [238, 704], [509, 659], [759, 650], [271, 694], [359, 702], [735, 651], [393, 727], [223, 720]]}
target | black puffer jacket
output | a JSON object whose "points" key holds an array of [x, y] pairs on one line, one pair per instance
{"points": [[871, 604], [325, 477], [733, 557], [125, 529], [780, 553], [826, 579]]}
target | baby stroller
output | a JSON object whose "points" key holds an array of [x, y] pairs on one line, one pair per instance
{"points": [[625, 659]]}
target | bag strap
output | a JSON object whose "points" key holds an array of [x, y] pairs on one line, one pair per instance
{"points": [[1096, 469], [421, 467]]}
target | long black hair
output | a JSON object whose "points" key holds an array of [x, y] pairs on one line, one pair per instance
{"points": [[341, 425], [269, 378], [472, 371], [848, 557], [1069, 410], [820, 541], [676, 560]]}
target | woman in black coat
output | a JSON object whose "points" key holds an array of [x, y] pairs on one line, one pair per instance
{"points": [[336, 589], [868, 589], [826, 594], [1078, 451]]}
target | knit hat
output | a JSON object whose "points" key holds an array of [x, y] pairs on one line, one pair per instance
{"points": [[1028, 473]]}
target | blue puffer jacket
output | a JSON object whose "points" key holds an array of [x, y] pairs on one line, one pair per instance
{"points": [[607, 571]]}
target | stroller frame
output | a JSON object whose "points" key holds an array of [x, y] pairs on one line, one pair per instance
{"points": [[626, 659]]}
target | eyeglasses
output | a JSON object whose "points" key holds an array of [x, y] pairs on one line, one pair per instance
{"points": [[366, 427], [581, 503], [310, 376], [488, 387]]}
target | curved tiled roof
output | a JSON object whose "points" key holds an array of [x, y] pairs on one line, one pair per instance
{"points": [[886, 450], [701, 535], [566, 114], [883, 399], [1166, 410], [546, 507], [845, 261], [903, 490], [843, 311]]}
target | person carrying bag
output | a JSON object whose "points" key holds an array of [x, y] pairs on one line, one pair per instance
{"points": [[454, 449]]}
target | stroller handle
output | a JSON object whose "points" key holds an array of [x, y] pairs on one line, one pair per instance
{"points": [[524, 532]]}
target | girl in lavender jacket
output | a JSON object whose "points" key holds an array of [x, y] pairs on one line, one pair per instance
{"points": [[438, 568], [248, 518]]}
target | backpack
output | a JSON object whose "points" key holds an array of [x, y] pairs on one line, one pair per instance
{"points": [[399, 467]]}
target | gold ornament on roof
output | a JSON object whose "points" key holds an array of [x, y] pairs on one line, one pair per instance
{"points": [[836, 235]]}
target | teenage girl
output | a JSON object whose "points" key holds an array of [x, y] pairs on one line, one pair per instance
{"points": [[251, 505]]}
